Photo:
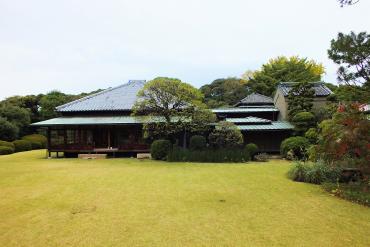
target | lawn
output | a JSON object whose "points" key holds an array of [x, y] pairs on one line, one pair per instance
{"points": [[127, 202]]}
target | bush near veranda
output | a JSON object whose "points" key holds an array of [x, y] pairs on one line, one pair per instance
{"points": [[225, 135], [160, 149], [197, 142], [37, 141], [252, 149], [298, 145], [22, 145]]}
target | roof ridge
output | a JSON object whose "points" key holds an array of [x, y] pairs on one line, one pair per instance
{"points": [[96, 94]]}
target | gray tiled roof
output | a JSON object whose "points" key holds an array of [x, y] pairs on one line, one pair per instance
{"points": [[256, 98], [113, 99], [244, 110], [248, 120], [319, 87]]}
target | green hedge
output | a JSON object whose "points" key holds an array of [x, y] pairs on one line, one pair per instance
{"points": [[37, 141], [6, 150], [197, 142], [7, 144], [208, 155], [22, 145], [160, 149]]}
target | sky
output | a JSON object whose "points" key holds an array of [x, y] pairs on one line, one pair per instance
{"points": [[81, 45]]}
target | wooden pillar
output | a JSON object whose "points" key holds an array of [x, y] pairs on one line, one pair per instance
{"points": [[49, 137], [108, 137]]}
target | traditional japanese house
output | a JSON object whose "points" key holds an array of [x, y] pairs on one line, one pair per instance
{"points": [[102, 123], [98, 123], [257, 118]]}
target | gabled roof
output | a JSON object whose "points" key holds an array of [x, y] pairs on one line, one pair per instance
{"points": [[113, 99], [256, 99], [321, 90]]}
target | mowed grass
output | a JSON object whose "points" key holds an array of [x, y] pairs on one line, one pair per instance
{"points": [[127, 202]]}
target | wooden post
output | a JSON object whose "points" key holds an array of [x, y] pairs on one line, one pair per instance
{"points": [[108, 137]]}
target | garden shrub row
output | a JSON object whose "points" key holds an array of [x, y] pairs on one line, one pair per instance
{"points": [[29, 142], [208, 155], [199, 152]]}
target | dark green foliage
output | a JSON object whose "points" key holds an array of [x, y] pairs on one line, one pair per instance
{"points": [[7, 144], [224, 92], [312, 135], [197, 142], [160, 149], [19, 117], [6, 150], [252, 149], [303, 121], [22, 145], [236, 155], [298, 145], [37, 141], [174, 106], [284, 69], [315, 173], [351, 52], [8, 130], [51, 100], [300, 98], [225, 135], [354, 192]]}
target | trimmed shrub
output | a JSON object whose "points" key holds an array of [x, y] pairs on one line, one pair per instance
{"points": [[303, 121], [312, 135], [6, 150], [298, 145], [208, 155], [38, 141], [22, 145], [225, 135], [160, 149], [314, 173], [252, 149], [7, 144], [197, 142]]}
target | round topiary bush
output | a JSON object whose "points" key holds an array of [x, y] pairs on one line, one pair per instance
{"points": [[22, 145], [303, 121], [251, 148], [298, 145], [197, 142], [36, 140], [7, 144], [6, 150], [160, 149]]}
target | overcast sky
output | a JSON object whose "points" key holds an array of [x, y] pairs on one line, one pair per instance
{"points": [[83, 45]]}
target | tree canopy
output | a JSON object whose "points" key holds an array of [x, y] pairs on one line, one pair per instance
{"points": [[224, 92], [284, 69], [352, 53], [174, 106]]}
